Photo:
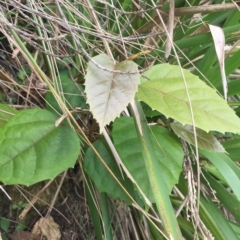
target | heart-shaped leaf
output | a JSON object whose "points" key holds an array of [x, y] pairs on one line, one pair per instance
{"points": [[167, 149], [108, 92], [33, 149], [166, 92], [205, 140]]}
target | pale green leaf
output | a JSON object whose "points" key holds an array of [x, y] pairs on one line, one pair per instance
{"points": [[167, 148], [33, 149], [108, 93], [101, 176], [204, 140], [166, 93]]}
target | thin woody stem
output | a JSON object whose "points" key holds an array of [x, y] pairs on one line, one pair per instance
{"points": [[189, 11]]}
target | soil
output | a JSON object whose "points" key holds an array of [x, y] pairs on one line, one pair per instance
{"points": [[69, 211]]}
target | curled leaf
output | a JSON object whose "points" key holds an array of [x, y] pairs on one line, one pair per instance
{"points": [[205, 140], [219, 42]]}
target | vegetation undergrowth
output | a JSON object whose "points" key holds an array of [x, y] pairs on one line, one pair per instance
{"points": [[140, 98]]}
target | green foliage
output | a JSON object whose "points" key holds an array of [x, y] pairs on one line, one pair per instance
{"points": [[226, 198], [171, 90], [227, 168], [215, 222], [71, 93], [232, 147], [6, 113], [102, 177], [167, 148], [19, 206], [4, 224], [41, 149], [204, 140], [180, 95]]}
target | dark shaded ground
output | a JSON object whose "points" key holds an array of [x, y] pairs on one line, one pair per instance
{"points": [[70, 210]]}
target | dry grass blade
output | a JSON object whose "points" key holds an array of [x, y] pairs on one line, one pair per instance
{"points": [[219, 42], [170, 27]]}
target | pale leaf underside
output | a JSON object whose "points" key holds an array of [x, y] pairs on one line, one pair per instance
{"points": [[108, 93]]}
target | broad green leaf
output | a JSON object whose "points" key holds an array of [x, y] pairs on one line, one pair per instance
{"points": [[205, 140], [167, 148], [166, 93], [71, 92], [6, 113], [227, 168], [100, 175], [34, 149], [108, 93]]}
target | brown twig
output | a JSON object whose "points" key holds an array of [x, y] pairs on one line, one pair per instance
{"points": [[189, 11]]}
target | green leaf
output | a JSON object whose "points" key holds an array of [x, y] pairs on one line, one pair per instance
{"points": [[227, 168], [100, 175], [233, 87], [227, 199], [4, 224], [212, 169], [6, 113], [187, 228], [166, 93], [167, 148], [72, 94], [215, 222], [233, 149], [34, 149], [235, 227], [108, 92], [20, 227], [205, 140]]}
